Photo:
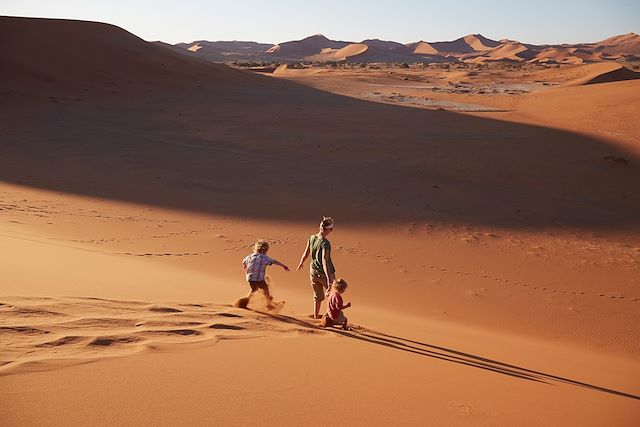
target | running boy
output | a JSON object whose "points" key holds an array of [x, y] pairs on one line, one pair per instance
{"points": [[256, 264]]}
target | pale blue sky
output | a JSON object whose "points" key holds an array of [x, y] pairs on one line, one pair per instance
{"points": [[542, 21]]}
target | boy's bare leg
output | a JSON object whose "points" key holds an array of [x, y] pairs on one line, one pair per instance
{"points": [[269, 297], [344, 325], [316, 312]]}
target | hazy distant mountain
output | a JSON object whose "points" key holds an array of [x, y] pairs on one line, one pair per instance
{"points": [[473, 48]]}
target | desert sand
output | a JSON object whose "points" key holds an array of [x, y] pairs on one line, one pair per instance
{"points": [[492, 253]]}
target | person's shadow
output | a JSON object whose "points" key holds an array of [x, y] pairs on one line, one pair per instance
{"points": [[450, 355]]}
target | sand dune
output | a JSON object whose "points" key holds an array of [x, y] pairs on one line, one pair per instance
{"points": [[226, 51], [603, 109], [386, 46], [486, 258], [557, 55], [341, 54], [504, 52], [479, 42], [604, 73], [196, 47], [627, 43], [300, 49], [467, 44], [312, 48], [422, 48], [102, 58]]}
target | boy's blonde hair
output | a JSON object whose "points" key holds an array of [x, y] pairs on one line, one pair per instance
{"points": [[261, 246], [339, 285], [327, 222]]}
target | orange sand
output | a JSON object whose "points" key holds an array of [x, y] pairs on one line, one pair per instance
{"points": [[492, 257]]}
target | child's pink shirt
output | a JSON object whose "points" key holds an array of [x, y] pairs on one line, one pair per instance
{"points": [[334, 305]]}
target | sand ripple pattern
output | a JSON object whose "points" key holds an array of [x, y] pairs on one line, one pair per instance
{"points": [[44, 333]]}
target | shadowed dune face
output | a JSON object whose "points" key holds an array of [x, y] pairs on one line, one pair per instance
{"points": [[91, 59], [237, 144]]}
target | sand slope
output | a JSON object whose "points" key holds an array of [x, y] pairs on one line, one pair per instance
{"points": [[604, 73], [626, 43], [492, 264], [86, 57]]}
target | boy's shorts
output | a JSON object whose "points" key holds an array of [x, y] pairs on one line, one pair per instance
{"points": [[261, 284], [319, 285]]}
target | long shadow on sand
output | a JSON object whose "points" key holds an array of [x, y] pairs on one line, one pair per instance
{"points": [[453, 356]]}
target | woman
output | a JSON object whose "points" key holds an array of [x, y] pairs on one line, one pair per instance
{"points": [[322, 270]]}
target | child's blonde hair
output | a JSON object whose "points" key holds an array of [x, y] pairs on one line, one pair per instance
{"points": [[261, 246], [339, 285]]}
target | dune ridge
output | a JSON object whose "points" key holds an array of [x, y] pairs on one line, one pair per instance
{"points": [[104, 57], [464, 49]]}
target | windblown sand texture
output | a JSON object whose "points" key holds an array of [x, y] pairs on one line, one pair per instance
{"points": [[486, 221]]}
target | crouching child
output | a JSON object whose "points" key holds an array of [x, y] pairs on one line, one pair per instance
{"points": [[334, 315]]}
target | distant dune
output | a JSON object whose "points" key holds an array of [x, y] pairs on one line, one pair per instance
{"points": [[422, 48], [515, 52], [470, 48], [606, 72], [557, 55], [345, 53], [627, 43], [466, 44], [306, 47]]}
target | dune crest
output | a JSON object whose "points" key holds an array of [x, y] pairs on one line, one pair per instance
{"points": [[100, 61]]}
